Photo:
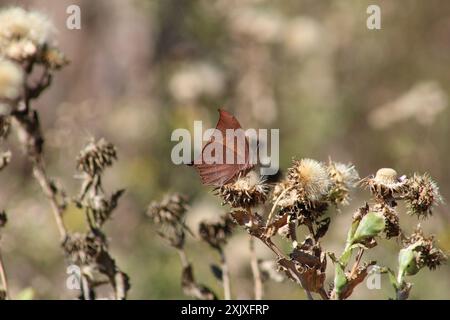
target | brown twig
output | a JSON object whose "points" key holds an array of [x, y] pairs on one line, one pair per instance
{"points": [[225, 276], [258, 286], [357, 262], [43, 180], [272, 246], [3, 277]]}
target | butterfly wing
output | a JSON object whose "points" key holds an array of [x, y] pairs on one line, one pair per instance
{"points": [[219, 174]]}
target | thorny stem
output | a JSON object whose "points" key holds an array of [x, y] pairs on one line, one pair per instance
{"points": [[272, 211], [3, 277], [225, 276], [258, 286]]}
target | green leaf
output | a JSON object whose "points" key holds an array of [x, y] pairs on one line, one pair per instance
{"points": [[370, 226], [345, 257], [340, 280], [352, 230], [407, 264]]}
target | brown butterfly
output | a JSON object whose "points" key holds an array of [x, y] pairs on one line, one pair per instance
{"points": [[218, 174]]}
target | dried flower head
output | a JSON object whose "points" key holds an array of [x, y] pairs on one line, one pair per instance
{"points": [[392, 223], [247, 191], [423, 194], [291, 202], [310, 178], [171, 210], [96, 156], [385, 183], [344, 177], [169, 214], [83, 249], [102, 207], [216, 234], [419, 251], [11, 81], [23, 33]]}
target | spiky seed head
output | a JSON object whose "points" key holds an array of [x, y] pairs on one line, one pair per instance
{"points": [[217, 233], [423, 195], [247, 191], [96, 156], [83, 249], [310, 178], [419, 251], [171, 210], [392, 222], [344, 177]]}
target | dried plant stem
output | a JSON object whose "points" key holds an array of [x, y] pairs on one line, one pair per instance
{"points": [[85, 289], [43, 180], [258, 286], [225, 276], [272, 246], [3, 277], [357, 261], [275, 204], [183, 257], [29, 132]]}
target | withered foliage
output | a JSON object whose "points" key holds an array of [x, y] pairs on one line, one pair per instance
{"points": [[35, 59], [169, 216], [303, 199], [90, 250]]}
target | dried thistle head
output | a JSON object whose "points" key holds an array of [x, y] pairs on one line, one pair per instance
{"points": [[418, 252], [216, 234], [344, 177], [291, 202], [392, 222], [169, 215], [422, 195], [83, 249], [96, 156], [23, 34], [247, 191], [310, 178], [102, 207], [171, 210], [385, 183]]}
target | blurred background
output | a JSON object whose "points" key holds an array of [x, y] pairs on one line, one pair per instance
{"points": [[141, 68]]}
